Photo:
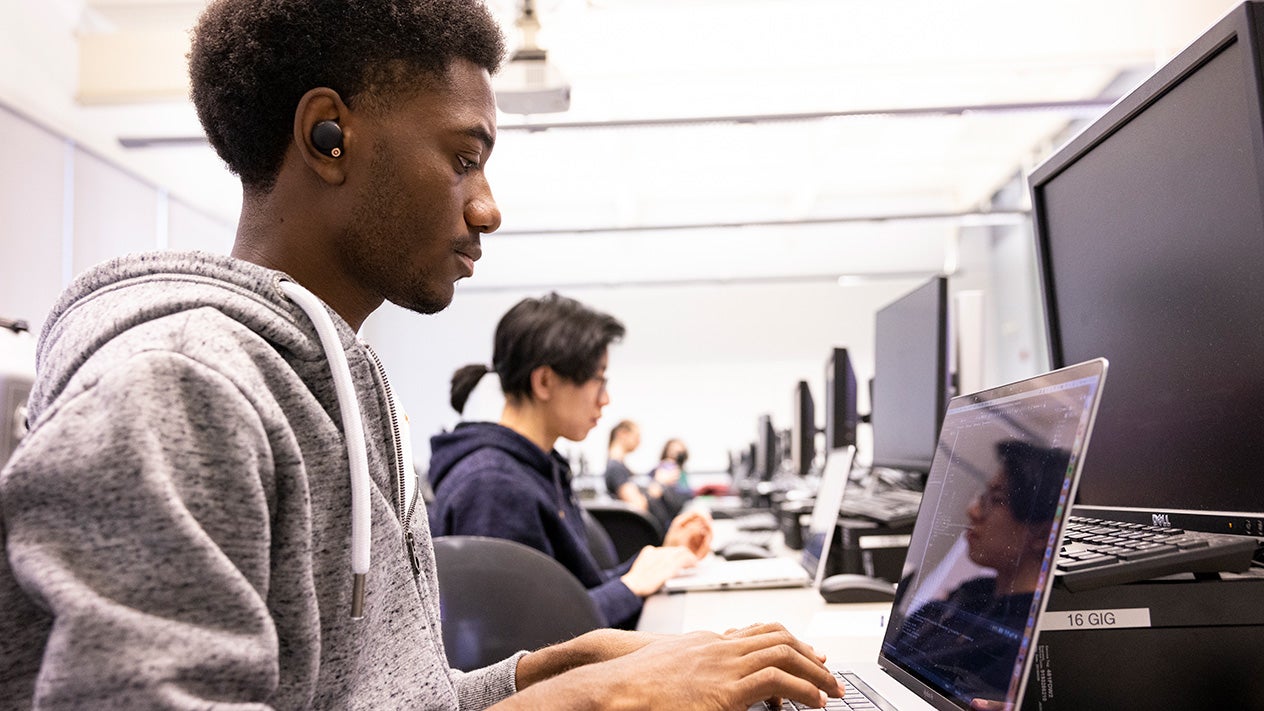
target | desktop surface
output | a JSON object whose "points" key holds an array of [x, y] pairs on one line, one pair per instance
{"points": [[846, 633]]}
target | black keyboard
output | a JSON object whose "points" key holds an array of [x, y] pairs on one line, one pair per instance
{"points": [[760, 539], [892, 507], [722, 512], [1096, 553], [760, 521]]}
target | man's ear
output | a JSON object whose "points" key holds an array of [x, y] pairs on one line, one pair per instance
{"points": [[543, 381], [323, 134]]}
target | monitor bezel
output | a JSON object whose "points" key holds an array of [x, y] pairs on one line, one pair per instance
{"points": [[1241, 24]]}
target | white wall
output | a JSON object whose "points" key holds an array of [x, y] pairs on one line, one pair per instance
{"points": [[32, 219], [64, 209]]}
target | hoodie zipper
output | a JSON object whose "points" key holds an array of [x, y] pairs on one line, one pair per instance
{"points": [[404, 510]]}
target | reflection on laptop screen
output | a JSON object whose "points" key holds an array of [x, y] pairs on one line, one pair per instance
{"points": [[981, 552]]}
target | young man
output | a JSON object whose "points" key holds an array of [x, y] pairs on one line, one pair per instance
{"points": [[186, 525]]}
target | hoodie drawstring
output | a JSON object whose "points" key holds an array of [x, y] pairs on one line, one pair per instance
{"points": [[353, 432]]}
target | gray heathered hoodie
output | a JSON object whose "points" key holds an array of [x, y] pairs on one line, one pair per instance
{"points": [[177, 523]]}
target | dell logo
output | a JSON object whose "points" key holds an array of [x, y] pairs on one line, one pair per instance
{"points": [[1161, 520]]}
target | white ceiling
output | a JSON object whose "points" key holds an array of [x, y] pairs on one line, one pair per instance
{"points": [[927, 78]]}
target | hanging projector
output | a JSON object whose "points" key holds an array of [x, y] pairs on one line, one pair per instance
{"points": [[528, 83]]}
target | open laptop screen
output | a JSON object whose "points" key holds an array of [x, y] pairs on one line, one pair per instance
{"points": [[981, 553], [825, 511]]}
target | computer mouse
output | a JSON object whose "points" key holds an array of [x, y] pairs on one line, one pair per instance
{"points": [[848, 587], [743, 551]]}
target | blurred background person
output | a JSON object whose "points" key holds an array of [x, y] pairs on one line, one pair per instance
{"points": [[625, 437], [670, 475]]}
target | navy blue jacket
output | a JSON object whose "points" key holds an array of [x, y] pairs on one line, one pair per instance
{"points": [[491, 481]]}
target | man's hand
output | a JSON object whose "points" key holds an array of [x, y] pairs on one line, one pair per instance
{"points": [[667, 473], [653, 566], [691, 529], [702, 670]]}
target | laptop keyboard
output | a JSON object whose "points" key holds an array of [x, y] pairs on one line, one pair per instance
{"points": [[858, 697], [1096, 553], [892, 507]]}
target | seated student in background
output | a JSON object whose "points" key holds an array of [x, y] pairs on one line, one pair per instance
{"points": [[670, 472], [506, 480], [661, 501], [625, 437]]}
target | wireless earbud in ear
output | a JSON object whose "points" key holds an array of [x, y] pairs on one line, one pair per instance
{"points": [[327, 138]]}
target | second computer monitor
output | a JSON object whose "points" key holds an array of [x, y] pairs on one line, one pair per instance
{"points": [[803, 430], [911, 379], [841, 412], [767, 455]]}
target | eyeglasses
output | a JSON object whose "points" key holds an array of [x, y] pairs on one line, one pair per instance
{"points": [[991, 499]]}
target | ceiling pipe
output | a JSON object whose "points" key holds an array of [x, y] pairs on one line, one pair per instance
{"points": [[1086, 107], [973, 218], [842, 280]]}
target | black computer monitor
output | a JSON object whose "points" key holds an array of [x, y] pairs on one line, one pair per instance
{"points": [[842, 414], [911, 380], [803, 430], [1150, 236], [766, 450]]}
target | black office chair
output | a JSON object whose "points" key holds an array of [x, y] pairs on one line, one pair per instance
{"points": [[497, 597], [629, 529], [599, 543]]}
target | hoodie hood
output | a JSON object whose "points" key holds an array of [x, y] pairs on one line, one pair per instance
{"points": [[448, 449], [122, 294]]}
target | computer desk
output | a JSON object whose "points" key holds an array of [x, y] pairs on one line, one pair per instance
{"points": [[845, 633]]}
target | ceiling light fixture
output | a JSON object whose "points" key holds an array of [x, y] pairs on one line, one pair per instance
{"points": [[529, 83]]}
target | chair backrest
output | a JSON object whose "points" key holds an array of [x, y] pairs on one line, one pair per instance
{"points": [[497, 597], [629, 529], [599, 542]]}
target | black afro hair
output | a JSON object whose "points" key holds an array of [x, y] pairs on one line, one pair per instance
{"points": [[252, 60]]}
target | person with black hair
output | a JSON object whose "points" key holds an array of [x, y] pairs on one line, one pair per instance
{"points": [[506, 480], [214, 507]]}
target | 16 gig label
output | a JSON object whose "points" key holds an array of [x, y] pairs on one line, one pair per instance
{"points": [[1095, 619]]}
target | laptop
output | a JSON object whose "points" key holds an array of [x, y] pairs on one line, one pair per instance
{"points": [[781, 572], [980, 563]]}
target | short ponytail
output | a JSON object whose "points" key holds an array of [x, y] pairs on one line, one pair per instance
{"points": [[464, 380]]}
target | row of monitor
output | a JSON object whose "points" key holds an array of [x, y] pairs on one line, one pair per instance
{"points": [[908, 394], [1149, 233]]}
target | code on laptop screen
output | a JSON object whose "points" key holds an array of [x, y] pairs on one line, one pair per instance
{"points": [[979, 560]]}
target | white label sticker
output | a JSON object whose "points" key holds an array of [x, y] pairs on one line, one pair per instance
{"points": [[1094, 619]]}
